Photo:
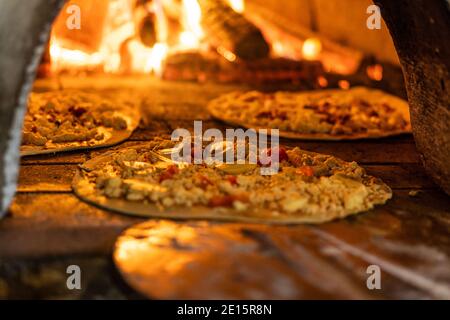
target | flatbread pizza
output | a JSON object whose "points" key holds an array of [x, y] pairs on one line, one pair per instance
{"points": [[308, 188], [358, 113], [70, 120]]}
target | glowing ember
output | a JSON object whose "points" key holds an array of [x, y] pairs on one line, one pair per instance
{"points": [[230, 56], [344, 84], [375, 72], [312, 48], [322, 81], [237, 5]]}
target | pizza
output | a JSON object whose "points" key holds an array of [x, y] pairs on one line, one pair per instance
{"points": [[308, 187], [317, 115], [70, 120]]}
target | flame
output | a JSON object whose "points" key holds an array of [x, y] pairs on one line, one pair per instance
{"points": [[375, 72], [312, 47], [66, 57], [187, 39], [237, 5], [150, 60], [281, 49], [192, 16], [177, 25], [119, 28], [147, 60]]}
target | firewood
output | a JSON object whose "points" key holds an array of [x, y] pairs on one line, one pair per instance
{"points": [[228, 29], [193, 66]]}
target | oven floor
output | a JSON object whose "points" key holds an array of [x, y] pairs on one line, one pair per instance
{"points": [[48, 228]]}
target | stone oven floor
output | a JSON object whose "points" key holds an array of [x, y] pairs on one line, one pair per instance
{"points": [[48, 228]]}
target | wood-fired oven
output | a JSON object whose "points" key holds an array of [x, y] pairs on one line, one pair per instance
{"points": [[170, 58]]}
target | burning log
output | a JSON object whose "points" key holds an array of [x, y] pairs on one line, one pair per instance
{"points": [[194, 66], [420, 33], [232, 31]]}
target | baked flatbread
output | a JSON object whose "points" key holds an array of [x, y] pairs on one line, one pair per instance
{"points": [[70, 120], [309, 188], [358, 113]]}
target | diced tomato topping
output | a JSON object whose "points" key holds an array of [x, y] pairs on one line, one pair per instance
{"points": [[169, 173], [306, 171], [226, 201], [204, 182], [282, 154], [232, 180]]}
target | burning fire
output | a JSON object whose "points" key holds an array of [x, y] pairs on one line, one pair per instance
{"points": [[66, 57], [312, 48], [120, 48], [123, 36], [192, 15], [237, 5]]}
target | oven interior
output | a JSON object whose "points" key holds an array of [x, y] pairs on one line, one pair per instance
{"points": [[171, 57]]}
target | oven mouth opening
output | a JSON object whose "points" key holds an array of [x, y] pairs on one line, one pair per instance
{"points": [[189, 40]]}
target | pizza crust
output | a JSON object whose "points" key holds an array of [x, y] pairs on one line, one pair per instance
{"points": [[116, 137], [216, 109], [86, 190], [112, 136]]}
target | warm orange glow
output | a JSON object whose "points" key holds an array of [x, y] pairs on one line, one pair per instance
{"points": [[322, 81], [283, 49], [110, 38], [120, 48], [188, 40], [192, 16], [147, 60], [312, 48], [230, 56], [375, 72], [237, 5], [344, 84], [62, 57]]}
